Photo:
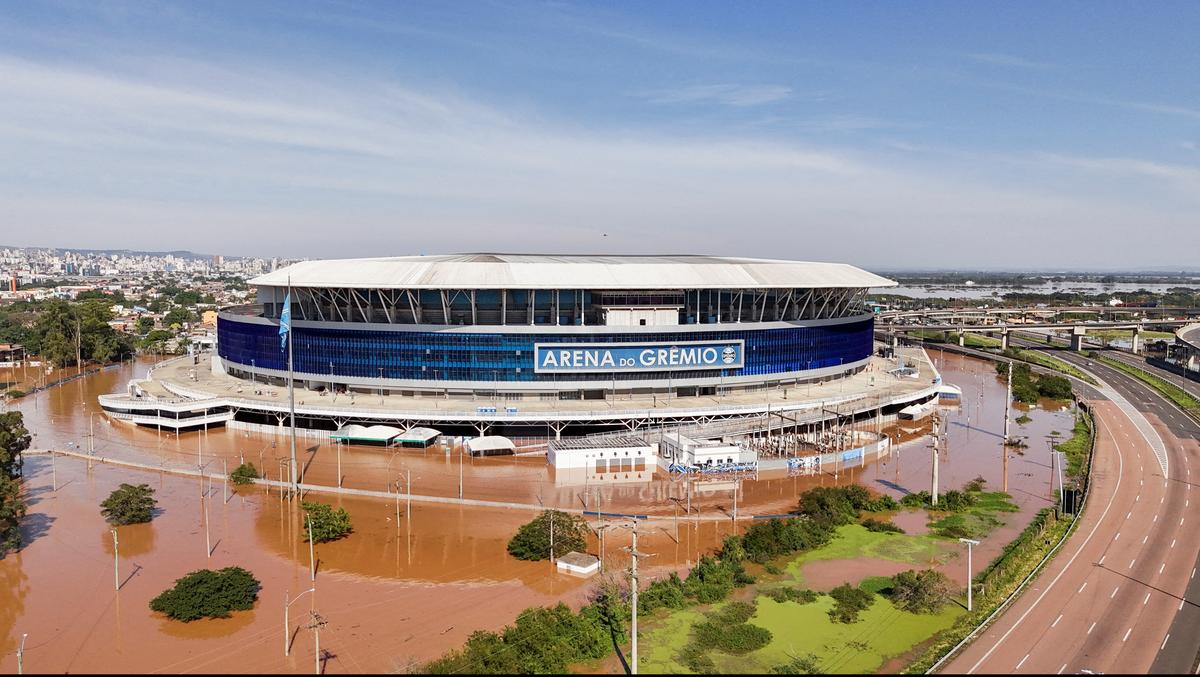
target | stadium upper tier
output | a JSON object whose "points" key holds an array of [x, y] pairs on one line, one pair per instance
{"points": [[504, 289]]}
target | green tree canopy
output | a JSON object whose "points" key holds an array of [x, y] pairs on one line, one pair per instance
{"points": [[532, 540], [208, 594], [327, 524], [14, 439], [129, 504]]}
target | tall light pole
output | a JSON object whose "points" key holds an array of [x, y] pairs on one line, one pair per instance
{"points": [[1007, 411], [312, 559], [116, 562], [21, 655], [970, 581], [287, 628]]}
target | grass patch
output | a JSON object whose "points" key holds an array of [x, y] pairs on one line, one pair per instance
{"points": [[970, 340], [882, 632], [1147, 334], [1052, 363], [1167, 389], [1078, 446], [854, 541]]}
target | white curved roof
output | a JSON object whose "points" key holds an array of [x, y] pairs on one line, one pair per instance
{"points": [[531, 271]]}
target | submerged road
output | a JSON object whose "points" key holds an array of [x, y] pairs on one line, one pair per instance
{"points": [[1107, 601]]}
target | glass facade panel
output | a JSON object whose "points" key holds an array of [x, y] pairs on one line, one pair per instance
{"points": [[450, 356]]}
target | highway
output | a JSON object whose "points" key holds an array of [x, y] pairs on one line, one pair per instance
{"points": [[1108, 600]]}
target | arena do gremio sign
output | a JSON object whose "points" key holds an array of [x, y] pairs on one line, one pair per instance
{"points": [[603, 357]]}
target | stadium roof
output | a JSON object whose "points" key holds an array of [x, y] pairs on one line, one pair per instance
{"points": [[531, 271]]}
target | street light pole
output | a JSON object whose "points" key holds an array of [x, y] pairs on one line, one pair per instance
{"points": [[116, 562], [312, 560], [970, 581], [21, 655], [287, 628]]}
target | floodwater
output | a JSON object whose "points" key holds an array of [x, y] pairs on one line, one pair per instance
{"points": [[396, 591], [962, 291]]}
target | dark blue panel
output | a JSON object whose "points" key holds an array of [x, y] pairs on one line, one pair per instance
{"points": [[439, 356]]}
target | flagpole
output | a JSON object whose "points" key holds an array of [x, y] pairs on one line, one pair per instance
{"points": [[291, 390]]}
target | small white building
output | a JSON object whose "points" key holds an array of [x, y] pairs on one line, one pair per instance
{"points": [[685, 451], [603, 455], [578, 564]]}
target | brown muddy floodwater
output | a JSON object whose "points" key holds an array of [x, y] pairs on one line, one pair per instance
{"points": [[393, 592]]}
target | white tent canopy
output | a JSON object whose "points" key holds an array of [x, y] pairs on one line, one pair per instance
{"points": [[418, 435], [492, 444], [361, 433]]}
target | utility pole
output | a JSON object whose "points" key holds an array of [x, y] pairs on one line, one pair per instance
{"points": [[316, 622], [224, 481], [1007, 413], [312, 559], [460, 474], [934, 491], [970, 582], [207, 541], [116, 562], [633, 586], [551, 536], [21, 655]]}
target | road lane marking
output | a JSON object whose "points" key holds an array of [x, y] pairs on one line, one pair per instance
{"points": [[1137, 498], [1091, 628], [1131, 562], [1180, 521], [1160, 570], [1082, 587], [1067, 565], [1114, 592], [1155, 519], [1129, 514], [1022, 662], [1101, 562], [1145, 601], [1060, 670], [1164, 644], [1172, 542], [1144, 539], [1181, 604], [1056, 620], [1117, 537], [1126, 637]]}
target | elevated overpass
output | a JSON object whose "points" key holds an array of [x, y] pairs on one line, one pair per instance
{"points": [[1078, 330]]}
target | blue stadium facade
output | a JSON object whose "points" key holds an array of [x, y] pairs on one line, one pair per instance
{"points": [[554, 327]]}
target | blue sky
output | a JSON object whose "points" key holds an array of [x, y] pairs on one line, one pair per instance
{"points": [[891, 135]]}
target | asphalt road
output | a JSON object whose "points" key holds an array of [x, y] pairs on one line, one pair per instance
{"points": [[1107, 602]]}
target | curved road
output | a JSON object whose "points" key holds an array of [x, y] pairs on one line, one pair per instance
{"points": [[1107, 600]]}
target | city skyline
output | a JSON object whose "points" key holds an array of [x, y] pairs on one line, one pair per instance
{"points": [[928, 136]]}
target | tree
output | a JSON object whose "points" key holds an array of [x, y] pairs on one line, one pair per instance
{"points": [[244, 474], [327, 524], [849, 601], [14, 439], [208, 594], [129, 504], [921, 592], [532, 540]]}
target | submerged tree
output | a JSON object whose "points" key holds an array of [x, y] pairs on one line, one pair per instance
{"points": [[129, 504], [532, 540], [14, 439]]}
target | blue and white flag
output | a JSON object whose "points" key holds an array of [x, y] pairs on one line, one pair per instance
{"points": [[285, 320]]}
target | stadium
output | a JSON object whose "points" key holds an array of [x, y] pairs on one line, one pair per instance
{"points": [[532, 345]]}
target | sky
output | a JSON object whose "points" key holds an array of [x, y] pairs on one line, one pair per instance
{"points": [[1007, 135]]}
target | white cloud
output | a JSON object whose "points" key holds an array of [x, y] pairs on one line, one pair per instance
{"points": [[264, 164]]}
